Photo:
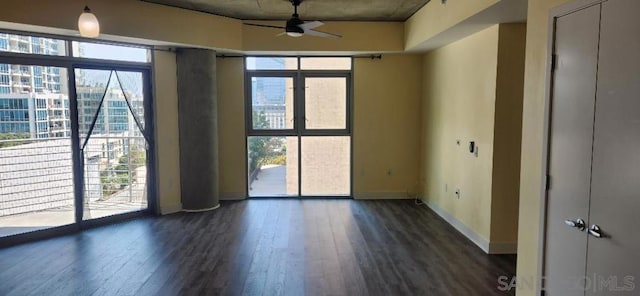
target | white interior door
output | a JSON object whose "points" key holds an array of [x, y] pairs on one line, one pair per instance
{"points": [[570, 150], [613, 261]]}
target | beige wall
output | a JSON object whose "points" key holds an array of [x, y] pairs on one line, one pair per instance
{"points": [[166, 133], [507, 133], [231, 128], [434, 18], [386, 126], [459, 86], [472, 91], [531, 180]]}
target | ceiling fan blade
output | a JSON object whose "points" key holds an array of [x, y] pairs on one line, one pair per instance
{"points": [[264, 26], [321, 34], [311, 25], [281, 34]]}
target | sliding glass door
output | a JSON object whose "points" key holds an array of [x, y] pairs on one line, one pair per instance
{"points": [[76, 139], [113, 141], [299, 131]]}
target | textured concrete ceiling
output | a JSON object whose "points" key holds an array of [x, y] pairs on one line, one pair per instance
{"points": [[324, 10]]}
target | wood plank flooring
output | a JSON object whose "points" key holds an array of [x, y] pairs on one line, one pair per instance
{"points": [[262, 247]]}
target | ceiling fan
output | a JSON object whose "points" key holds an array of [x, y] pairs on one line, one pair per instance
{"points": [[295, 27]]}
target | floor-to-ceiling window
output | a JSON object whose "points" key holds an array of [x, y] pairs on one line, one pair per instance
{"points": [[75, 134], [113, 141], [298, 126]]}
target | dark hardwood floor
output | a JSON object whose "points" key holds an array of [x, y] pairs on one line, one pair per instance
{"points": [[262, 247]]}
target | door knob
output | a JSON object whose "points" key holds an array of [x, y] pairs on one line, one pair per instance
{"points": [[578, 223], [595, 231]]}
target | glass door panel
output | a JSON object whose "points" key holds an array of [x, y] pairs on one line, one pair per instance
{"points": [[112, 141], [273, 166], [36, 169], [326, 166], [272, 103], [325, 103]]}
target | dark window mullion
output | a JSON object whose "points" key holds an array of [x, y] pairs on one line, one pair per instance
{"points": [[275, 133], [299, 98], [326, 132], [78, 158]]}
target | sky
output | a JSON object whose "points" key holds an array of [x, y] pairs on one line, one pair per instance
{"points": [[131, 81], [112, 52]]}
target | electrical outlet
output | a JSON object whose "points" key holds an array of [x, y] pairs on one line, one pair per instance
{"points": [[458, 193]]}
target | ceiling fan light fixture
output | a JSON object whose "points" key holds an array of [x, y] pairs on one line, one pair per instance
{"points": [[293, 29], [294, 34], [88, 24]]}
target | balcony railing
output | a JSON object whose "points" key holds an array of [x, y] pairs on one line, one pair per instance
{"points": [[35, 175]]}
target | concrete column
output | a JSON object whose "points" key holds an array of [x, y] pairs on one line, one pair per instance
{"points": [[198, 119]]}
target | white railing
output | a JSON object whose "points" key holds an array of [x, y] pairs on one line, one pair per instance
{"points": [[35, 175]]}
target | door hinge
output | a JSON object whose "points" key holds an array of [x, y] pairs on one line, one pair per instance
{"points": [[547, 182], [554, 62], [542, 293]]}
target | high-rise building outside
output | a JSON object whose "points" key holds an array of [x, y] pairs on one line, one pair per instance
{"points": [[114, 113], [270, 90], [32, 99], [270, 93], [36, 115]]}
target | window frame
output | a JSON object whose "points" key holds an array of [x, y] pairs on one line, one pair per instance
{"points": [[300, 130], [298, 75], [249, 74]]}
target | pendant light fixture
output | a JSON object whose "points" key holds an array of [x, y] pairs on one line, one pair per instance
{"points": [[88, 24]]}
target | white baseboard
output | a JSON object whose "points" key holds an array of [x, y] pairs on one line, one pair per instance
{"points": [[233, 196], [170, 208], [481, 242], [381, 195], [461, 227], [203, 210]]}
